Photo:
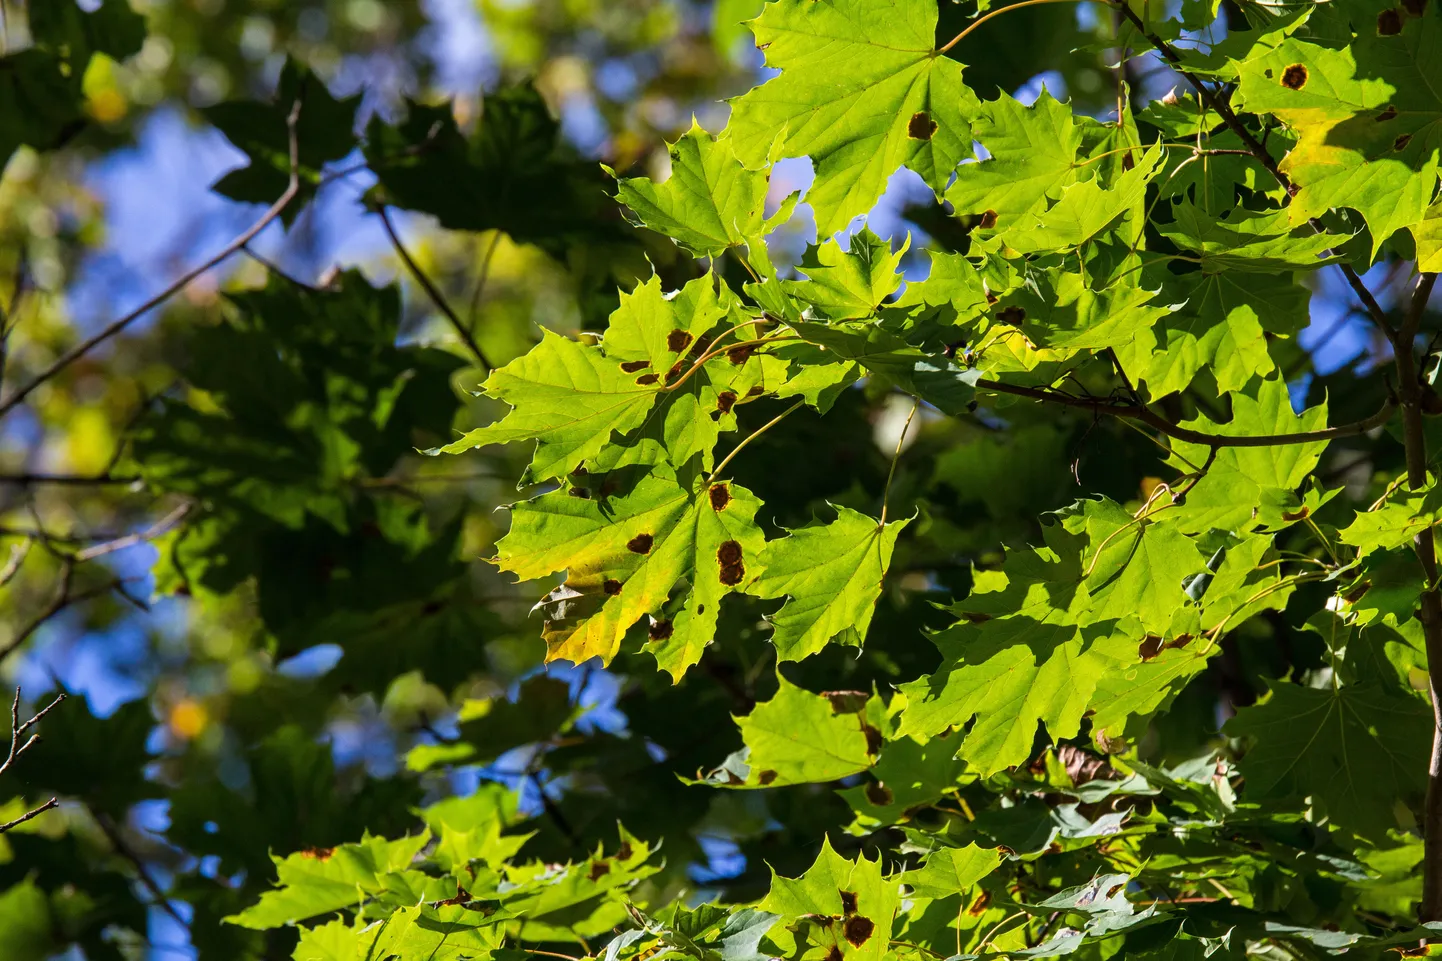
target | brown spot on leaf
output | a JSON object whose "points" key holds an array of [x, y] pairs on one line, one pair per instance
{"points": [[640, 544], [623, 853], [720, 495], [834, 954], [1414, 7], [1401, 142], [740, 355], [1356, 592], [732, 567], [580, 492], [921, 126], [975, 617], [766, 777], [858, 930], [756, 391], [1389, 114], [317, 854], [646, 380], [677, 341], [660, 630], [1150, 647], [848, 902], [1013, 315], [631, 366], [598, 869], [874, 740], [1128, 162], [725, 401], [1389, 23], [676, 369], [611, 586], [979, 906], [1294, 77], [988, 220], [879, 794], [991, 298], [1296, 515]]}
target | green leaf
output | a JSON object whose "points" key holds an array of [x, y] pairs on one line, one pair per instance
{"points": [[1405, 515], [861, 92], [1428, 236], [1368, 117], [952, 871], [319, 881], [567, 397], [846, 906], [801, 738], [848, 284], [1356, 750], [1033, 158], [831, 575], [709, 204], [625, 555]]}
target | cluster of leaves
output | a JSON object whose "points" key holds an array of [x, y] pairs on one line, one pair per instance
{"points": [[968, 752]]}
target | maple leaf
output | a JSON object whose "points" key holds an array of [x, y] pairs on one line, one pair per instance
{"points": [[862, 92]]}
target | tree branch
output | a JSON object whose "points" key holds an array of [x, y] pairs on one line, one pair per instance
{"points": [[18, 748], [1139, 413], [112, 833], [434, 294], [118, 325]]}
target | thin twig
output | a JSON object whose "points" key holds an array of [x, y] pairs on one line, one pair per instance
{"points": [[996, 13], [116, 326], [34, 813], [139, 537], [64, 480], [434, 294]]}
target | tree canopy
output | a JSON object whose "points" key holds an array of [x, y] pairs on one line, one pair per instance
{"points": [[833, 480]]}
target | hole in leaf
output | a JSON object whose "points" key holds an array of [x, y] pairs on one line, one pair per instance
{"points": [[1294, 77], [660, 630]]}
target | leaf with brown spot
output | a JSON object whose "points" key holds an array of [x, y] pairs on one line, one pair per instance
{"points": [[857, 901], [720, 496], [858, 930], [1389, 22], [1294, 77]]}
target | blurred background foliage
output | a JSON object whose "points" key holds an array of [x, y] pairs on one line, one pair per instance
{"points": [[216, 534]]}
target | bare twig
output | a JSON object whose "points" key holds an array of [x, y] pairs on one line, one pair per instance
{"points": [[118, 325], [431, 290], [64, 480], [17, 748]]}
